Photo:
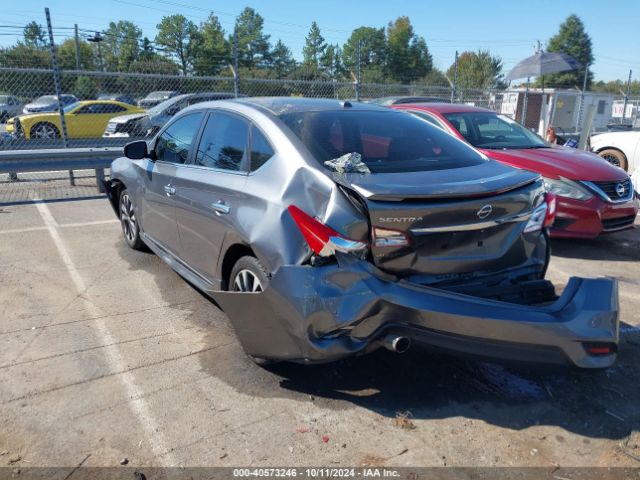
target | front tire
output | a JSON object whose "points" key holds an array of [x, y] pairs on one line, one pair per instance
{"points": [[615, 157], [129, 222], [45, 130]]}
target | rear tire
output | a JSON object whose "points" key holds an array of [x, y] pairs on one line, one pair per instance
{"points": [[129, 222], [248, 275], [615, 157], [44, 130]]}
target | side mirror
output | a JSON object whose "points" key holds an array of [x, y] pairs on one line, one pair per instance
{"points": [[136, 150]]}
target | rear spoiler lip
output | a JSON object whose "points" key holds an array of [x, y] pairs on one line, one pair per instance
{"points": [[368, 195]]}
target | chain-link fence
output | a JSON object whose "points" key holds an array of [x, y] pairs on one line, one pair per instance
{"points": [[108, 109]]}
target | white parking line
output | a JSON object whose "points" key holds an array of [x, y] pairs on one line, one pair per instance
{"points": [[58, 225], [138, 405]]}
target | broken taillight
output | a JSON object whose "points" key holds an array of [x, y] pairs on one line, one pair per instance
{"points": [[322, 240], [544, 215], [387, 237]]}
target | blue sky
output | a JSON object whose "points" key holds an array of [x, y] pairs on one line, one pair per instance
{"points": [[508, 29]]}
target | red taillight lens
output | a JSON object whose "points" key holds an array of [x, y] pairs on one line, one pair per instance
{"points": [[552, 208], [322, 240]]}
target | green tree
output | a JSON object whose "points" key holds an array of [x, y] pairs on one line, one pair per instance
{"points": [[282, 62], [314, 48], [23, 56], [67, 55], [85, 88], [34, 35], [213, 51], [436, 78], [331, 61], [253, 44], [373, 49], [477, 70], [179, 38], [408, 55], [121, 45], [573, 40]]}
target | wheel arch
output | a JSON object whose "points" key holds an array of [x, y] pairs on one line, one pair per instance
{"points": [[113, 188], [231, 255], [617, 149], [41, 122]]}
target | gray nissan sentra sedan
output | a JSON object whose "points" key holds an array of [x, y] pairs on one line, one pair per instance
{"points": [[326, 229]]}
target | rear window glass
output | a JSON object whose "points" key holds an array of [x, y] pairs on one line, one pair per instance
{"points": [[388, 141]]}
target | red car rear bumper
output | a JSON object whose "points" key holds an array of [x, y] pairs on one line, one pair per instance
{"points": [[580, 219]]}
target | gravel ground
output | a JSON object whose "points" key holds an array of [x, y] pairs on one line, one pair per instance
{"points": [[108, 354]]}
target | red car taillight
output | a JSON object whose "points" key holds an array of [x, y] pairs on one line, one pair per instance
{"points": [[322, 240], [552, 208]]}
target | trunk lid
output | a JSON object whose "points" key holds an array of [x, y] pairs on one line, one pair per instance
{"points": [[457, 221]]}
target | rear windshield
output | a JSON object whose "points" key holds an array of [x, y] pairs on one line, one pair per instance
{"points": [[388, 141]]}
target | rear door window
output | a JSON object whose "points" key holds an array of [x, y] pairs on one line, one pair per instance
{"points": [[175, 141], [261, 150], [224, 143]]}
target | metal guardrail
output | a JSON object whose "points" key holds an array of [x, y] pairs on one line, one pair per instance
{"points": [[59, 159]]}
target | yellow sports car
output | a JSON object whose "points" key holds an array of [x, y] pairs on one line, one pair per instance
{"points": [[86, 119]]}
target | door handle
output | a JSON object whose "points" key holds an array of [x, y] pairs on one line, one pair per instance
{"points": [[220, 207], [169, 190]]}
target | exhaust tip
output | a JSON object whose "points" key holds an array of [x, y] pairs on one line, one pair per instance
{"points": [[396, 343]]}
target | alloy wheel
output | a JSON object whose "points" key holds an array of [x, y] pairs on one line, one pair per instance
{"points": [[612, 160], [45, 131], [246, 281], [128, 218]]}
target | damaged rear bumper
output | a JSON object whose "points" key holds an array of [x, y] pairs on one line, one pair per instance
{"points": [[319, 314]]}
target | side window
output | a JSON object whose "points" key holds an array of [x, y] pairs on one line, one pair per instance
{"points": [[261, 150], [112, 108], [459, 122], [224, 142], [174, 143], [601, 105]]}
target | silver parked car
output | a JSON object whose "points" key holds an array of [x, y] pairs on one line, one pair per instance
{"points": [[48, 103], [326, 229], [148, 123], [10, 106]]}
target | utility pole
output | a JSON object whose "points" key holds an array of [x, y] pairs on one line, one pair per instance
{"points": [[236, 74], [77, 39], [358, 71], [57, 86], [584, 88], [626, 99], [454, 87], [98, 38]]}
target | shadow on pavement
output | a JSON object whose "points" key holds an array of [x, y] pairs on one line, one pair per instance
{"points": [[618, 246], [421, 384]]}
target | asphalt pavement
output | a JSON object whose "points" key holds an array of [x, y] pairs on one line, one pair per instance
{"points": [[108, 354]]}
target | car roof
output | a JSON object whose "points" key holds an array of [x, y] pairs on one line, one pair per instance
{"points": [[114, 102], [281, 105], [446, 107], [400, 100]]}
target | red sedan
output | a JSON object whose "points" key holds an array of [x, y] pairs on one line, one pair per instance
{"points": [[593, 196]]}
